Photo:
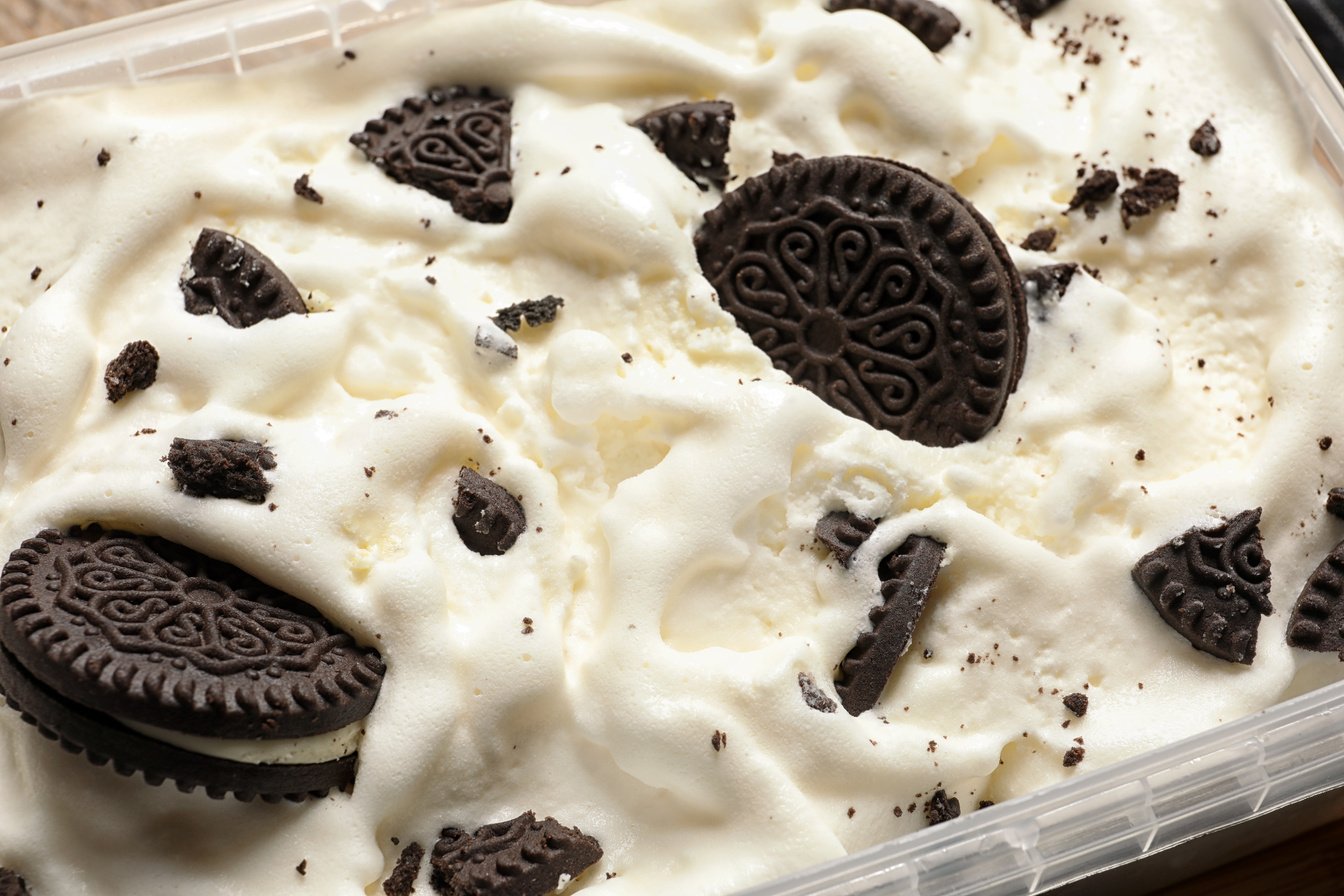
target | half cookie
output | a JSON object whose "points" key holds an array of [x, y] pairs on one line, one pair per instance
{"points": [[878, 288], [144, 653]]}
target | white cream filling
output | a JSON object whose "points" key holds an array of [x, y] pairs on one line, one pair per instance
{"points": [[325, 747]]}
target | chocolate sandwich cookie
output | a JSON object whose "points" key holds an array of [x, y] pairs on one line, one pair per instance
{"points": [[453, 144], [1212, 586], [694, 137], [232, 278], [878, 288], [143, 653], [934, 25]]}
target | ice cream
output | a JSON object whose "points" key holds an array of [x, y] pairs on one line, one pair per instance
{"points": [[647, 660]]}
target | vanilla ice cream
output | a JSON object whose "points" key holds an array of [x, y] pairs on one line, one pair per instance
{"points": [[651, 659]]}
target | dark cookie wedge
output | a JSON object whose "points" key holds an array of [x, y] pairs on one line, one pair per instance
{"points": [[221, 468], [99, 626], [1212, 586], [1317, 620], [488, 518], [135, 368], [907, 574], [12, 883], [454, 144], [231, 278], [844, 533], [535, 312], [934, 25], [878, 288], [521, 857], [694, 137]]}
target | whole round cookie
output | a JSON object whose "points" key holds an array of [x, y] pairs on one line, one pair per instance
{"points": [[150, 631], [877, 287]]}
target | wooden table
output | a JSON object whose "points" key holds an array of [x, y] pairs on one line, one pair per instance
{"points": [[1310, 865]]}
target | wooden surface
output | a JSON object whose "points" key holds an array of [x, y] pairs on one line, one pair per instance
{"points": [[1310, 865]]}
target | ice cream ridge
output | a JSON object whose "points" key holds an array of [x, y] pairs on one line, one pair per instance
{"points": [[654, 446]]}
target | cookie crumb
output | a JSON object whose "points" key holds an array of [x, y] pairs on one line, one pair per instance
{"points": [[401, 882], [302, 868], [1325, 442], [104, 157], [1042, 240], [719, 741], [940, 807], [1076, 704], [1073, 756], [303, 190], [1205, 140], [134, 369], [813, 696]]}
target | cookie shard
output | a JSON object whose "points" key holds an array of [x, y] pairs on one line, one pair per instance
{"points": [[1212, 586], [907, 575], [105, 741], [519, 857], [12, 883], [1317, 620], [232, 278], [146, 630], [694, 137], [934, 25], [487, 517], [844, 533], [876, 287], [222, 468], [453, 143], [135, 368]]}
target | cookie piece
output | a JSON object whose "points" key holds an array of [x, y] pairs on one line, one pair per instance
{"points": [[1045, 286], [907, 574], [487, 517], [520, 857], [694, 137], [401, 882], [221, 468], [940, 807], [934, 25], [103, 628], [1334, 502], [844, 533], [878, 288], [231, 278], [304, 190], [1212, 586], [453, 144], [12, 883], [1204, 141], [814, 696], [535, 312], [1317, 620], [1100, 185], [1156, 187], [1073, 756], [1042, 240], [135, 368], [1076, 704]]}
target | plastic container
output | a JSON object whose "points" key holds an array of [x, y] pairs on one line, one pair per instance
{"points": [[1130, 826]]}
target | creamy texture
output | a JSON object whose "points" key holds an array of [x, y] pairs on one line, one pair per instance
{"points": [[669, 568]]}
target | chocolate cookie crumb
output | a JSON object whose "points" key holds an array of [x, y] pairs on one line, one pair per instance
{"points": [[1045, 286], [487, 517], [940, 807], [304, 191], [1205, 140], [135, 368], [1099, 186], [104, 157], [12, 883], [350, 54], [985, 804], [36, 272], [1076, 704], [1324, 442], [1334, 502], [520, 857], [221, 468], [814, 696], [1042, 240], [627, 357], [1156, 188], [844, 533], [401, 882], [719, 741], [535, 312], [1140, 455], [302, 868], [1073, 756]]}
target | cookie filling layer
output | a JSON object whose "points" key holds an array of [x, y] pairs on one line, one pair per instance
{"points": [[294, 751]]}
